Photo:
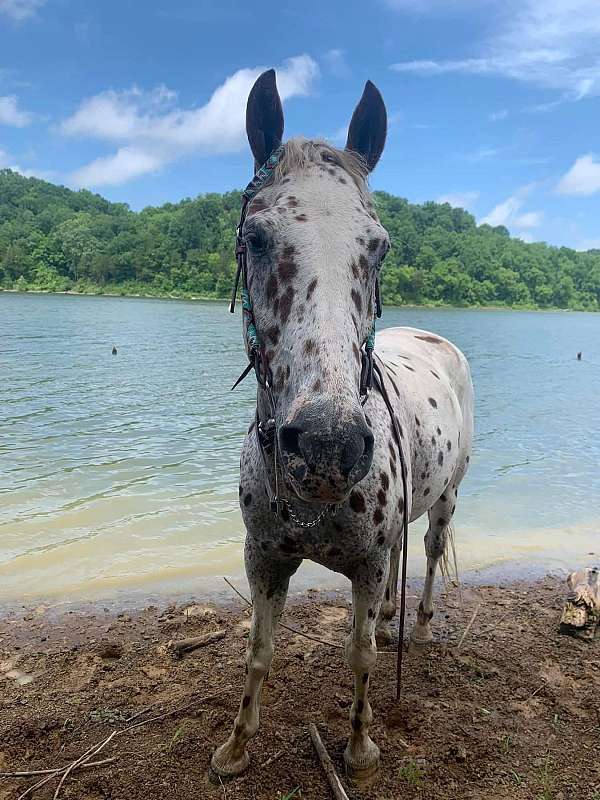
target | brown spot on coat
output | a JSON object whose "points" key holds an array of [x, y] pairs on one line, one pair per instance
{"points": [[287, 270], [364, 265], [381, 497], [357, 502], [432, 402], [301, 218], [311, 287], [273, 333], [357, 299], [385, 481], [272, 287], [286, 303], [378, 516], [309, 347], [430, 339]]}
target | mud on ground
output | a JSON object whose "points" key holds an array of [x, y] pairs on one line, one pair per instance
{"points": [[514, 713]]}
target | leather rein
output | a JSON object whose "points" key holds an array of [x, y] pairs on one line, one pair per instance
{"points": [[371, 375]]}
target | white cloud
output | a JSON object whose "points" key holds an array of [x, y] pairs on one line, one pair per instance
{"points": [[20, 9], [127, 163], [582, 178], [152, 131], [531, 219], [459, 199], [336, 62], [506, 213], [552, 43], [11, 114], [495, 116]]}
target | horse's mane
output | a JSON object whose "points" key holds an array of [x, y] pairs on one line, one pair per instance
{"points": [[299, 153]]}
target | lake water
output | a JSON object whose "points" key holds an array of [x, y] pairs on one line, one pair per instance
{"points": [[119, 473]]}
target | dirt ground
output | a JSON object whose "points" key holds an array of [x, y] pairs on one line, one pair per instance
{"points": [[514, 713]]}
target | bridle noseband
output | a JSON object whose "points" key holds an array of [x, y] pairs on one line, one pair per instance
{"points": [[266, 430]]}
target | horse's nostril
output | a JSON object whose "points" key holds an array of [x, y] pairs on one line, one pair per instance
{"points": [[289, 439]]}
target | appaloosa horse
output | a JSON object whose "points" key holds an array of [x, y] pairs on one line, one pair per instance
{"points": [[321, 466]]}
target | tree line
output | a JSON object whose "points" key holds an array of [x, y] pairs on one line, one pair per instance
{"points": [[56, 239]]}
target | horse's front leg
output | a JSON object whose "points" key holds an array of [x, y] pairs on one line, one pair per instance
{"points": [[269, 582], [362, 754]]}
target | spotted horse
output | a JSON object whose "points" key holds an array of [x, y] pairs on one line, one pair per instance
{"points": [[323, 462]]}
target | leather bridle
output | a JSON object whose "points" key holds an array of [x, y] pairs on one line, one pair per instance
{"points": [[371, 375]]}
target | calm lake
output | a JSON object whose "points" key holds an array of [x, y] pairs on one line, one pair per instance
{"points": [[119, 473]]}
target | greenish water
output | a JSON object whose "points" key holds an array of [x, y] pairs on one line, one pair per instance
{"points": [[120, 472]]}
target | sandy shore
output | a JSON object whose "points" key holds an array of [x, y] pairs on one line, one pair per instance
{"points": [[514, 713]]}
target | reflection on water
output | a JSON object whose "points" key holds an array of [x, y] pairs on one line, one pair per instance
{"points": [[121, 471]]}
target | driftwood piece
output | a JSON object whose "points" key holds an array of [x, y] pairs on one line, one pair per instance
{"points": [[335, 783], [581, 612], [187, 645]]}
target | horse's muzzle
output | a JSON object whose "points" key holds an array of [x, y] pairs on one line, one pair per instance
{"points": [[324, 460]]}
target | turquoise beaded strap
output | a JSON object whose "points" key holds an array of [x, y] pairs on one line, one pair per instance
{"points": [[263, 173], [370, 343], [251, 332]]}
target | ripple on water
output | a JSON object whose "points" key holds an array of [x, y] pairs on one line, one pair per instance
{"points": [[123, 471]]}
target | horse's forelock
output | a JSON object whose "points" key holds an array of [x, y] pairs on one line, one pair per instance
{"points": [[299, 154]]}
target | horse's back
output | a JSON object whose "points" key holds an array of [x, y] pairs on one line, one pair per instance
{"points": [[434, 351]]}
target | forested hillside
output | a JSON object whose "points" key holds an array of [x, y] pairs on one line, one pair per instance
{"points": [[55, 239]]}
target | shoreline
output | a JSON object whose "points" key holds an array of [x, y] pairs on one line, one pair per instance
{"points": [[214, 590], [209, 299], [491, 708]]}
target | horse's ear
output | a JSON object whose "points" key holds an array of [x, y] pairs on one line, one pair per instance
{"points": [[264, 117], [368, 127]]}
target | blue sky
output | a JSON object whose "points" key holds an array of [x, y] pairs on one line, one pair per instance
{"points": [[492, 105]]}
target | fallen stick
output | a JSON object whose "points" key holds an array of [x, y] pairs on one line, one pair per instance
{"points": [[335, 783], [143, 711], [33, 772], [468, 628], [93, 751], [273, 758], [187, 645]]}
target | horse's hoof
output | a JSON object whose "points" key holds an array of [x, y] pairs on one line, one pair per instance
{"points": [[421, 636], [365, 769], [225, 766], [384, 635]]}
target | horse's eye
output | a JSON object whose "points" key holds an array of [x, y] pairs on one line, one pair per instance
{"points": [[256, 239], [328, 158]]}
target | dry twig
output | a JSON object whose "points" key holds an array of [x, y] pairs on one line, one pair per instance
{"points": [[468, 628], [335, 783], [273, 758], [187, 645], [57, 770]]}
